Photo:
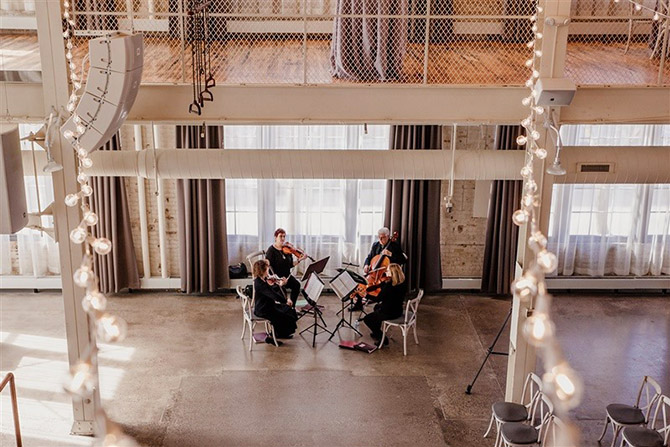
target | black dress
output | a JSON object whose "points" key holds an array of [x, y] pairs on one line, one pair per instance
{"points": [[397, 255], [282, 264], [272, 306], [391, 299]]}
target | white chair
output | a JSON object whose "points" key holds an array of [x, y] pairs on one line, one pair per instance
{"points": [[255, 256], [503, 412], [405, 322], [650, 437], [250, 320], [621, 415], [518, 434], [557, 433]]}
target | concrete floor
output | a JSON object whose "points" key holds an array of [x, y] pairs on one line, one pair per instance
{"points": [[184, 378]]}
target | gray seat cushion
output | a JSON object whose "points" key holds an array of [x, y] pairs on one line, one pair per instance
{"points": [[642, 437], [518, 433], [510, 412], [625, 414]]}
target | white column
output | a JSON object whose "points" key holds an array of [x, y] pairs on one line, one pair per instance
{"points": [[522, 356], [80, 338]]}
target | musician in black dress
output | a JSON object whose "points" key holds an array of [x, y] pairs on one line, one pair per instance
{"points": [[387, 247], [390, 302], [282, 263], [270, 304]]}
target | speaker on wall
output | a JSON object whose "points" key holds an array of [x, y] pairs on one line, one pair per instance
{"points": [[111, 87], [13, 207]]}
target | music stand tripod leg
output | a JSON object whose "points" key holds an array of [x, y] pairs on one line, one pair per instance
{"points": [[490, 351], [343, 321]]}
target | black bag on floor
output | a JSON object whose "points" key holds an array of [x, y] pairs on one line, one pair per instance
{"points": [[237, 271]]}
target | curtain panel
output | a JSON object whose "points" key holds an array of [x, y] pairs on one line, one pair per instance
{"points": [[501, 233], [118, 269], [201, 215], [413, 210]]}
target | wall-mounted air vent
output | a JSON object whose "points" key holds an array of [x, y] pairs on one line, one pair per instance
{"points": [[595, 167]]}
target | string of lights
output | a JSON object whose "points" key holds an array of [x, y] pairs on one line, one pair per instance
{"points": [[109, 328], [639, 6], [561, 383]]}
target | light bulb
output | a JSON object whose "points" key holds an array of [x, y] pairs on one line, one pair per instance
{"points": [[70, 108], [86, 162], [526, 101], [71, 199], [541, 153], [538, 328], [111, 328], [525, 122], [76, 85], [78, 235], [102, 245], [67, 16], [83, 276], [538, 53], [536, 74], [537, 241], [68, 55], [535, 134], [534, 28], [81, 128], [69, 44], [525, 287], [526, 171], [530, 186], [94, 300], [520, 217], [529, 83], [531, 44], [533, 18], [539, 110], [86, 190], [90, 218], [656, 16], [81, 152], [76, 118], [534, 93], [68, 134], [82, 177], [73, 76], [529, 63], [82, 380], [547, 261], [566, 384], [521, 140], [66, 34], [538, 36], [72, 66], [540, 9], [527, 200], [638, 6]]}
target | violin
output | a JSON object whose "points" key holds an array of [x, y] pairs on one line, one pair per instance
{"points": [[290, 249], [273, 279]]}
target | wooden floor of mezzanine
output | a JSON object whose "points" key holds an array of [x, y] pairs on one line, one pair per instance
{"points": [[275, 61]]}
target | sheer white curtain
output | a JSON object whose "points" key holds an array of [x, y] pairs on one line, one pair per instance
{"points": [[36, 253], [336, 218], [612, 229]]}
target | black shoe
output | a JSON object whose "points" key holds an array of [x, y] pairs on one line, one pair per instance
{"points": [[285, 337], [270, 341]]}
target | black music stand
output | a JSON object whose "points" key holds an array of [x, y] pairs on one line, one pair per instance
{"points": [[343, 284], [315, 267], [312, 293]]}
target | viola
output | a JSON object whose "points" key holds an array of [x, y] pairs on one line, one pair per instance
{"points": [[290, 249], [274, 279]]}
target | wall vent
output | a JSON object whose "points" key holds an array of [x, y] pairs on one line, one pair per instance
{"points": [[595, 167]]}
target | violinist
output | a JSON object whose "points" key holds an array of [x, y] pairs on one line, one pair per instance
{"points": [[387, 247], [270, 304], [282, 263], [390, 302]]}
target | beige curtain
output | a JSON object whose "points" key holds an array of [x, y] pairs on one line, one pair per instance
{"points": [[501, 232], [201, 211], [118, 269], [413, 210]]}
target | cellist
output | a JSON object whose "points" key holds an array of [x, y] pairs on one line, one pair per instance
{"points": [[282, 263], [387, 247]]}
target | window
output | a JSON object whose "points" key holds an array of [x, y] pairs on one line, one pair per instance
{"points": [[330, 217]]}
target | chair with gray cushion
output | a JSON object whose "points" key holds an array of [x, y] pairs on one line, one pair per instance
{"points": [[517, 434], [502, 412], [650, 437], [622, 415]]}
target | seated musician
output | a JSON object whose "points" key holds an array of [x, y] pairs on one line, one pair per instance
{"points": [[386, 247], [390, 302], [271, 305], [282, 263]]}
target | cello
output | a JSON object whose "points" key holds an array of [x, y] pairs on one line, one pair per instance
{"points": [[377, 274]]}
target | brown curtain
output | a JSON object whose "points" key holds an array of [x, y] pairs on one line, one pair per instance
{"points": [[501, 232], [201, 210], [413, 210], [118, 269]]}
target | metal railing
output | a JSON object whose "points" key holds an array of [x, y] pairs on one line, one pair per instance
{"points": [[9, 378]]}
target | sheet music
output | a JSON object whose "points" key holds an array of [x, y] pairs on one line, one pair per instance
{"points": [[343, 284], [314, 287]]}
